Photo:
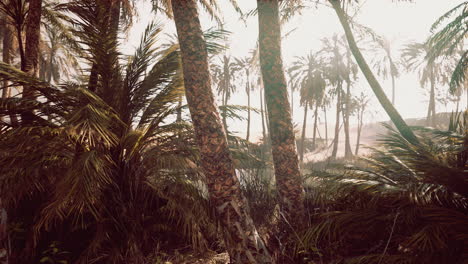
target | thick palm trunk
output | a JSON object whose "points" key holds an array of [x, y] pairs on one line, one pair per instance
{"points": [[314, 137], [6, 53], [348, 151], [304, 124], [286, 162], [337, 123], [397, 120], [292, 101], [262, 112], [4, 238], [30, 65], [241, 238]]}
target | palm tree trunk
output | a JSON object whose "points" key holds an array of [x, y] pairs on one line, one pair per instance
{"points": [[93, 78], [8, 43], [393, 89], [31, 51], [326, 126], [286, 162], [433, 102], [6, 54], [397, 120], [360, 115], [337, 123], [247, 88], [348, 151], [4, 238], [292, 100], [267, 117], [262, 112], [241, 237], [315, 126], [304, 124]]}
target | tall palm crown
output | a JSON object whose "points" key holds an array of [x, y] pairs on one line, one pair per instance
{"points": [[308, 73], [101, 156], [445, 41]]}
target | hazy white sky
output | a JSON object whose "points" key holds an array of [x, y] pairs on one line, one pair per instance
{"points": [[400, 22]]}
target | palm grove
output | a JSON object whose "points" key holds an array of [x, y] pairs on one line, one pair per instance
{"points": [[100, 162]]}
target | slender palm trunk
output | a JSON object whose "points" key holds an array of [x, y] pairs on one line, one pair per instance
{"points": [[224, 113], [304, 125], [431, 115], [179, 109], [397, 120], [314, 137], [337, 123], [285, 159], [393, 89], [30, 65], [326, 125], [348, 151], [247, 88], [241, 237], [360, 115]]}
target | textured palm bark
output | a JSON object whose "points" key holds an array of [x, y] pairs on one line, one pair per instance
{"points": [[285, 160], [4, 239], [30, 64], [304, 124], [6, 52], [242, 240], [262, 110], [397, 120], [337, 124], [33, 33]]}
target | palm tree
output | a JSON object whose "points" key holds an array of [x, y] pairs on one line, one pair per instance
{"points": [[397, 120], [94, 159], [430, 72], [286, 163], [361, 102], [246, 64], [384, 61], [30, 59], [293, 86], [59, 57], [447, 39], [337, 72], [224, 79], [242, 240], [307, 72]]}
